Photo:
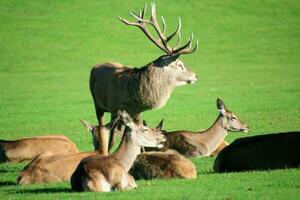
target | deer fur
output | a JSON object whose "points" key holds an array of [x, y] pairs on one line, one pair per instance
{"points": [[103, 173], [117, 87], [49, 168], [260, 152], [27, 148], [204, 143], [163, 165]]}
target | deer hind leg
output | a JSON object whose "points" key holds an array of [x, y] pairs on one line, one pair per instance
{"points": [[103, 133], [95, 183]]}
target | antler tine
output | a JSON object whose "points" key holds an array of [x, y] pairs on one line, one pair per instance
{"points": [[176, 31], [136, 16], [178, 40], [164, 25], [127, 22], [190, 51], [188, 44], [144, 11]]}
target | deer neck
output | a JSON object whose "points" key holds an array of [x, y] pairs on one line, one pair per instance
{"points": [[127, 152], [154, 86], [215, 134]]}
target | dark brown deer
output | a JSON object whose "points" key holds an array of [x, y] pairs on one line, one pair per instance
{"points": [[117, 87], [260, 152], [204, 143], [104, 173], [162, 165], [26, 149]]}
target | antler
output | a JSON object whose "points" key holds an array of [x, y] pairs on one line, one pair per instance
{"points": [[162, 41]]}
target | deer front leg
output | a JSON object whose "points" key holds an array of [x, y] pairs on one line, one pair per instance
{"points": [[103, 134], [127, 183]]}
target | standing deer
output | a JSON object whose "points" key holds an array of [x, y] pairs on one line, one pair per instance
{"points": [[117, 87], [103, 173], [203, 143], [27, 148]]}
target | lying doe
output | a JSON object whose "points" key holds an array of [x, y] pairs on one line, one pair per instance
{"points": [[117, 87], [260, 152], [49, 168], [203, 143], [27, 148], [105, 173], [164, 165]]}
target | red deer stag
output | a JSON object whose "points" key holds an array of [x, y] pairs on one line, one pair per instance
{"points": [[103, 173], [28, 148], [117, 87], [203, 143]]}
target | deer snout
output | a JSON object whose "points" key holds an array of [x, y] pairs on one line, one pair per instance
{"points": [[192, 78], [245, 129]]}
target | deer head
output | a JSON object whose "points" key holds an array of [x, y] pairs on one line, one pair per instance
{"points": [[229, 120], [94, 130], [169, 63], [139, 134]]}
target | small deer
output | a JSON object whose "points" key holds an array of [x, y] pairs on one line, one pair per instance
{"points": [[50, 168], [260, 152], [203, 143], [163, 165], [116, 87], [103, 173], [27, 148]]}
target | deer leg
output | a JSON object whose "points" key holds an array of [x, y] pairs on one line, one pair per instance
{"points": [[103, 133], [115, 129]]}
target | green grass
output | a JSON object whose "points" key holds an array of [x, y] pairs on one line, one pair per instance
{"points": [[249, 56]]}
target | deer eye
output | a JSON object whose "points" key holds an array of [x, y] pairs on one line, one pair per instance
{"points": [[233, 118], [181, 66]]}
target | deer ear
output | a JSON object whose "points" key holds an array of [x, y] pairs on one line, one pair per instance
{"points": [[221, 106], [160, 125], [165, 60], [111, 124], [89, 126]]}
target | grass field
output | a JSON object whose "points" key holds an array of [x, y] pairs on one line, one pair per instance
{"points": [[249, 56]]}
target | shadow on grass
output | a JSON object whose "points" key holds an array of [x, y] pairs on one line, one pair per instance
{"points": [[7, 183], [38, 190]]}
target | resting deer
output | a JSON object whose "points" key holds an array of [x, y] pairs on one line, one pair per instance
{"points": [[164, 165], [49, 168], [27, 148], [222, 145], [117, 87], [203, 143], [103, 173], [261, 152]]}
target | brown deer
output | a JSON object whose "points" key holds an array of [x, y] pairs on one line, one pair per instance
{"points": [[117, 87], [104, 173], [27, 148], [260, 152], [163, 165], [49, 168], [222, 145], [203, 143]]}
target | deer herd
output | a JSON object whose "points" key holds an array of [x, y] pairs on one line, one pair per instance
{"points": [[143, 153]]}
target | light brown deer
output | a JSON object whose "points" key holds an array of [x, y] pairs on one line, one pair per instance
{"points": [[116, 87], [222, 145], [163, 165], [27, 148], [105, 173], [49, 168], [203, 143]]}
